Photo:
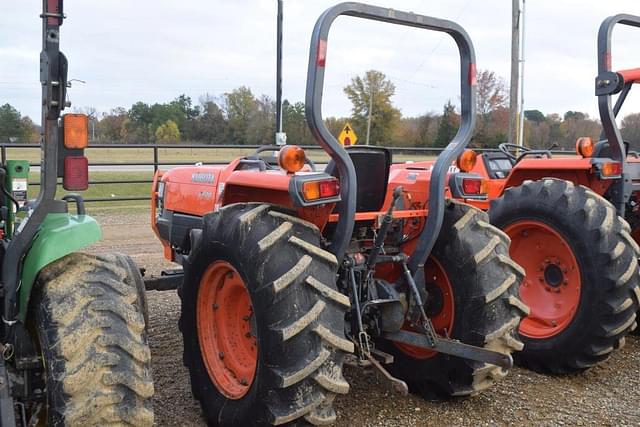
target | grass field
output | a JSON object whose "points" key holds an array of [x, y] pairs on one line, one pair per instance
{"points": [[168, 155], [109, 190]]}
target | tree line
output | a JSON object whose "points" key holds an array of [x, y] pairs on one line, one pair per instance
{"points": [[240, 117]]}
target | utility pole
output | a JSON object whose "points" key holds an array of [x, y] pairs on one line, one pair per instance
{"points": [[521, 133], [515, 72], [281, 137], [369, 112]]}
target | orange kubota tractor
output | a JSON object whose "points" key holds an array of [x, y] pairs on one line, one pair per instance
{"points": [[288, 269], [574, 224]]}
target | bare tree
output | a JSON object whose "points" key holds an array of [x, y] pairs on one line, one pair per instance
{"points": [[631, 130]]}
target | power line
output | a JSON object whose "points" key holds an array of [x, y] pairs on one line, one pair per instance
{"points": [[442, 38]]}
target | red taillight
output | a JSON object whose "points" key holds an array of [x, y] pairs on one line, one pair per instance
{"points": [[329, 188], [471, 186], [76, 173]]}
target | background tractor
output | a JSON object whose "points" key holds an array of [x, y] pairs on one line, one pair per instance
{"points": [[74, 344], [574, 224], [287, 269]]}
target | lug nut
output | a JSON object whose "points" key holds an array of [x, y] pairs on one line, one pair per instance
{"points": [[244, 382], [221, 355], [215, 306]]}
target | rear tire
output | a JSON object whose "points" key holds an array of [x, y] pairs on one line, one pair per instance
{"points": [[297, 317], [486, 308], [135, 279], [606, 279], [93, 341]]}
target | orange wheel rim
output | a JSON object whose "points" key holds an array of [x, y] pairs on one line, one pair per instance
{"points": [[552, 284], [226, 330], [439, 307]]}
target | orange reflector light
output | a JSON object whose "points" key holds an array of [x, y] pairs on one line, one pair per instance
{"points": [[314, 190], [76, 130], [584, 146], [291, 158], [311, 190], [611, 169], [467, 160], [76, 173]]}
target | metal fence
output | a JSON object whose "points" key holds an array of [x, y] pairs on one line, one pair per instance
{"points": [[158, 162]]}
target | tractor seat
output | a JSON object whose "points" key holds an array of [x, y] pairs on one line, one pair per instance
{"points": [[498, 165], [372, 172]]}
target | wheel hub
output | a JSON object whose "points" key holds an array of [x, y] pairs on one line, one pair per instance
{"points": [[435, 299], [552, 284], [439, 306], [227, 330]]}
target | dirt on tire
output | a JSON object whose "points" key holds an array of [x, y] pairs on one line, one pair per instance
{"points": [[607, 394], [94, 343]]}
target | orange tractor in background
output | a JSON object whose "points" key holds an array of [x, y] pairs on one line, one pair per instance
{"points": [[288, 269], [574, 224]]}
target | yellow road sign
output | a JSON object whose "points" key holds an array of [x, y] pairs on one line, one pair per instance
{"points": [[348, 136]]}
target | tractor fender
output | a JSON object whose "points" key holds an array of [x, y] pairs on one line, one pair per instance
{"points": [[577, 170], [59, 235]]}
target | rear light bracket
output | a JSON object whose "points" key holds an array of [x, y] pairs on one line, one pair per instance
{"points": [[296, 184], [457, 191], [598, 165]]}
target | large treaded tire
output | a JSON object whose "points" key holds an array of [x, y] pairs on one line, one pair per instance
{"points": [[607, 258], [135, 278], [299, 317], [487, 309], [93, 340]]}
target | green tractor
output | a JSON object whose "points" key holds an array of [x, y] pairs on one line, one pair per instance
{"points": [[74, 341]]}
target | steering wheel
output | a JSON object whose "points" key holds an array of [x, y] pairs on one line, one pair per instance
{"points": [[507, 148], [271, 161]]}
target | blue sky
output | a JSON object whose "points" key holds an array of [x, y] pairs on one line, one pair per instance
{"points": [[154, 50]]}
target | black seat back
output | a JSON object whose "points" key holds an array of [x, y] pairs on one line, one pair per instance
{"points": [[372, 172]]}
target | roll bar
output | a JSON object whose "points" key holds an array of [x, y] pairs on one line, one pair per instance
{"points": [[609, 83], [53, 78], [346, 171]]}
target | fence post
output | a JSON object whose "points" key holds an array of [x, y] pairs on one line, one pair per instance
{"points": [[155, 158], [3, 154]]}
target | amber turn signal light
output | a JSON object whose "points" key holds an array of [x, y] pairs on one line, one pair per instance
{"points": [[611, 170], [584, 146], [291, 158], [467, 160], [76, 131]]}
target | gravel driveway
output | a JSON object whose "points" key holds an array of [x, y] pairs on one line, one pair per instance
{"points": [[605, 395]]}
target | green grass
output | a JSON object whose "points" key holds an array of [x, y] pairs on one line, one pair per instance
{"points": [[109, 190], [167, 155]]}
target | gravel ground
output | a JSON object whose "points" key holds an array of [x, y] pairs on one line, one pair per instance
{"points": [[605, 395]]}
